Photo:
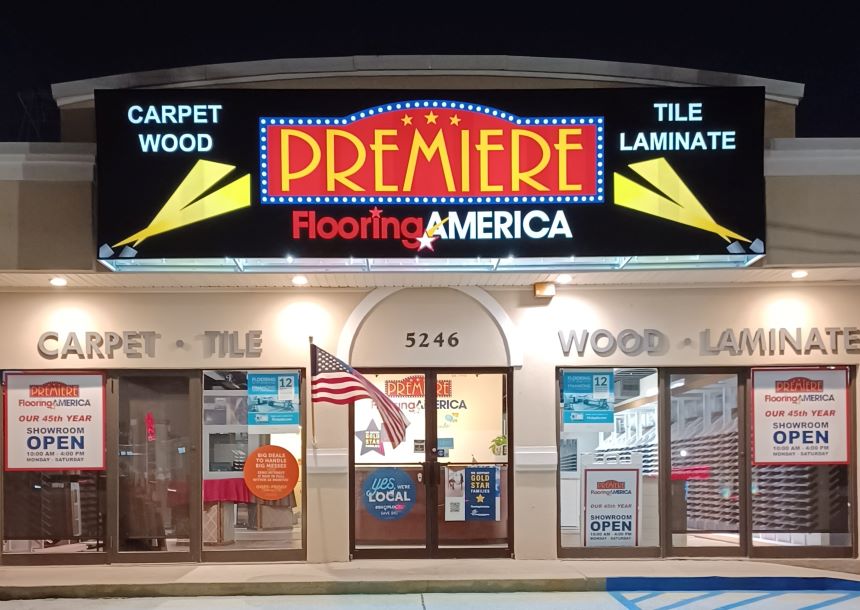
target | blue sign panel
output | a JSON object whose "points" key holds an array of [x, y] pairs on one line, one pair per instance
{"points": [[446, 442], [388, 494], [481, 493], [273, 399], [587, 397]]}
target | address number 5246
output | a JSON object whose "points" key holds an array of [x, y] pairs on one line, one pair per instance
{"points": [[423, 340]]}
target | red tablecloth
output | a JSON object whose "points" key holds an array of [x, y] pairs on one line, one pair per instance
{"points": [[227, 490]]}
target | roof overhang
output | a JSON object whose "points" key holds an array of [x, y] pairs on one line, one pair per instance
{"points": [[564, 69]]}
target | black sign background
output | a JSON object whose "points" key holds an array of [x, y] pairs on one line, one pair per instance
{"points": [[133, 185]]}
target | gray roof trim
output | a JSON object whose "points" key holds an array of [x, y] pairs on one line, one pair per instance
{"points": [[812, 157], [47, 162], [412, 65]]}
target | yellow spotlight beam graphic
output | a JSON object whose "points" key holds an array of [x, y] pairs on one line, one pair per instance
{"points": [[184, 208], [678, 205]]}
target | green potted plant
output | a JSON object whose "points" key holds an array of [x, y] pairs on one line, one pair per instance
{"points": [[499, 445]]}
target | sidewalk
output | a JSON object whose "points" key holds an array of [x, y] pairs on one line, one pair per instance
{"points": [[400, 576]]}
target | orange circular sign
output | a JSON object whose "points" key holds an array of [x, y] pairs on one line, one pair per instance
{"points": [[271, 472]]}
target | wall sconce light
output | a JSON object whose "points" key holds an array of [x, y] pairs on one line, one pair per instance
{"points": [[544, 290]]}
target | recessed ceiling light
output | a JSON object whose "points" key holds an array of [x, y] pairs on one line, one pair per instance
{"points": [[564, 278], [58, 282], [299, 280], [799, 274]]}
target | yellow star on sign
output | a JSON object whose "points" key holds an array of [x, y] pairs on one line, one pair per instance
{"points": [[480, 498], [431, 118], [455, 120], [407, 120]]}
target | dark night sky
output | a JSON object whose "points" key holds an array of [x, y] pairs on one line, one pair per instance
{"points": [[43, 43]]}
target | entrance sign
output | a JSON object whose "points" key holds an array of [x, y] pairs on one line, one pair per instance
{"points": [[271, 472], [800, 416], [54, 422], [388, 494], [588, 397], [447, 174], [611, 506]]}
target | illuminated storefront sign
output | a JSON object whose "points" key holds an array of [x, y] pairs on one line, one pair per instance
{"points": [[210, 174]]}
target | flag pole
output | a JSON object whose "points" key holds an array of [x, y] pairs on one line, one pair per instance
{"points": [[313, 406]]}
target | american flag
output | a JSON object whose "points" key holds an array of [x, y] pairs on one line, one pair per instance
{"points": [[335, 382]]}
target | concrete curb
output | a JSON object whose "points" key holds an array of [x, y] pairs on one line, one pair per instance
{"points": [[343, 587], [731, 583], [199, 589]]}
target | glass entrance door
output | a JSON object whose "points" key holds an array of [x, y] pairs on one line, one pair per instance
{"points": [[707, 514], [443, 490], [391, 484], [154, 465], [473, 456]]}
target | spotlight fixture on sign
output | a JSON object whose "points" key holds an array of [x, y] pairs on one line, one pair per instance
{"points": [[58, 282], [799, 274], [300, 280]]}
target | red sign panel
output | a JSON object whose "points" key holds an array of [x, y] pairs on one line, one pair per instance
{"points": [[414, 150]]}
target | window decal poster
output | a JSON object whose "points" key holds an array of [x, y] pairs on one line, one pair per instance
{"points": [[55, 422], [800, 416], [482, 493], [455, 493], [472, 493], [273, 399], [587, 397], [389, 494], [611, 507]]}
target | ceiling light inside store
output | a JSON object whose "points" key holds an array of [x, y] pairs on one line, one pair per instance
{"points": [[799, 274], [300, 280], [564, 278], [58, 282]]}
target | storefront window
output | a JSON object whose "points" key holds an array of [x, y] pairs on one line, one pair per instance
{"points": [[705, 499], [53, 512], [154, 463], [252, 438], [800, 488], [608, 461], [50, 508], [800, 506]]}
